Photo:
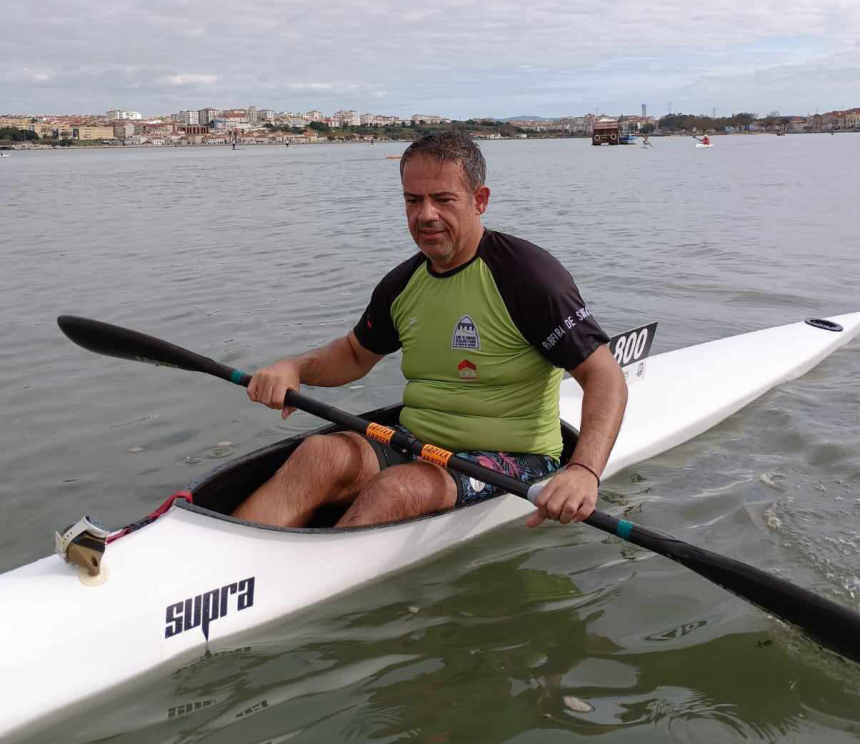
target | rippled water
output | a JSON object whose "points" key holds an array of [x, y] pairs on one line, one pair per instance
{"points": [[518, 636]]}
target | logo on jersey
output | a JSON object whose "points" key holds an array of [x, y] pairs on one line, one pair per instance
{"points": [[467, 370], [466, 335]]}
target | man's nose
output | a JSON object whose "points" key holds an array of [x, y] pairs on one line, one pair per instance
{"points": [[427, 211]]}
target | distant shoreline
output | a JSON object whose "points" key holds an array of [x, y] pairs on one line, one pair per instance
{"points": [[245, 145]]}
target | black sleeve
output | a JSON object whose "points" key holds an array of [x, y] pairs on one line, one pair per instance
{"points": [[375, 329], [543, 301]]}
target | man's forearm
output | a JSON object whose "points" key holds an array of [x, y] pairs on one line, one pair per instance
{"points": [[603, 403]]}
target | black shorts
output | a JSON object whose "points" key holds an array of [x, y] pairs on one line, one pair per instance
{"points": [[527, 468]]}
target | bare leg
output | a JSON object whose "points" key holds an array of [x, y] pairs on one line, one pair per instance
{"points": [[402, 492], [324, 469]]}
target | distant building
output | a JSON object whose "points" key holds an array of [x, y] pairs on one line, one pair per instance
{"points": [[252, 114], [189, 117], [349, 118], [205, 116], [429, 119], [230, 122], [266, 114], [92, 133], [123, 131], [119, 114], [193, 129]]}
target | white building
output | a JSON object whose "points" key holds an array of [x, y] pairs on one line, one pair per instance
{"points": [[189, 117], [230, 123], [314, 115], [115, 114], [429, 119], [266, 114], [349, 118]]}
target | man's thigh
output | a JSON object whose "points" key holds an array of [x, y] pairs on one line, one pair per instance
{"points": [[402, 492]]}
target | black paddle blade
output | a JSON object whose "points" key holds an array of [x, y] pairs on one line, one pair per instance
{"points": [[123, 343]]}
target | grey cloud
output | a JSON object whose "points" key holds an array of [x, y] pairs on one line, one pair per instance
{"points": [[449, 54]]}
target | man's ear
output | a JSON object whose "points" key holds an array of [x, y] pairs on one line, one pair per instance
{"points": [[482, 199]]}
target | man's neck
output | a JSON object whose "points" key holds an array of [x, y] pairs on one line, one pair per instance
{"points": [[463, 256]]}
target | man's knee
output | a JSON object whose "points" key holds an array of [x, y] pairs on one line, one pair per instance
{"points": [[341, 455], [403, 492]]}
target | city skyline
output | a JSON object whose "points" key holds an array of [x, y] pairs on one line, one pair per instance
{"points": [[549, 58]]}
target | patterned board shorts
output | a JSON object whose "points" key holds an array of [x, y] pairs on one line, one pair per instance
{"points": [[524, 467]]}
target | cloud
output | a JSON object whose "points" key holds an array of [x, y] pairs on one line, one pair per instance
{"points": [[186, 79], [309, 86], [545, 57]]}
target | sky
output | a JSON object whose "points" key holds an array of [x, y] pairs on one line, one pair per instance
{"points": [[446, 57]]}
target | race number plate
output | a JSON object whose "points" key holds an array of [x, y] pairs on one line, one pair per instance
{"points": [[630, 350]]}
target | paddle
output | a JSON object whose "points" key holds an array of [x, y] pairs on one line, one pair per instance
{"points": [[832, 625]]}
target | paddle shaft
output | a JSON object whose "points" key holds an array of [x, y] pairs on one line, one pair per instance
{"points": [[828, 622]]}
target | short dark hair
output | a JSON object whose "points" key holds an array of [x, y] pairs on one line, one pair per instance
{"points": [[453, 145]]}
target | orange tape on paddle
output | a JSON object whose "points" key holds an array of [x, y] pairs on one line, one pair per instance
{"points": [[379, 433], [436, 455]]}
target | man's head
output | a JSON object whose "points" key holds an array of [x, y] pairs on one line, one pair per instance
{"points": [[443, 185]]}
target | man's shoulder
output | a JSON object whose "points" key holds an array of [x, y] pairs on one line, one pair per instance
{"points": [[512, 256], [397, 278]]}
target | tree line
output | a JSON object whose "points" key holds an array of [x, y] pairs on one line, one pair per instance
{"points": [[689, 122]]}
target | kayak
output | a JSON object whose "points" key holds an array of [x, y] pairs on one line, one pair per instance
{"points": [[702, 145], [188, 576]]}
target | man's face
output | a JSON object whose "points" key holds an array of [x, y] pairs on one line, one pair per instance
{"points": [[443, 213]]}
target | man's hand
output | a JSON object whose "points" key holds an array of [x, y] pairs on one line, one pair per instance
{"points": [[269, 385], [569, 496]]}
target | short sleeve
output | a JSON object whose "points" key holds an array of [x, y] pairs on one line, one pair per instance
{"points": [[543, 300], [375, 329]]}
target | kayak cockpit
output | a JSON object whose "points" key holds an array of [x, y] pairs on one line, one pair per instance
{"points": [[223, 489]]}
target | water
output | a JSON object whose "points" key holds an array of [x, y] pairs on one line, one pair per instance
{"points": [[519, 636]]}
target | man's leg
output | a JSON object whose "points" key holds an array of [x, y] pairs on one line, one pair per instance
{"points": [[402, 492], [324, 469]]}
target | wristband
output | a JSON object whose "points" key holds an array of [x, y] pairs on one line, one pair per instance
{"points": [[585, 467]]}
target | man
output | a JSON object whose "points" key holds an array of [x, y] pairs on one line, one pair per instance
{"points": [[487, 322]]}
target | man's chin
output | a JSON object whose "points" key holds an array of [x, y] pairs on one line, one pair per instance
{"points": [[437, 251]]}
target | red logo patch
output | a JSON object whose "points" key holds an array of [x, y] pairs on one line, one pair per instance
{"points": [[467, 370]]}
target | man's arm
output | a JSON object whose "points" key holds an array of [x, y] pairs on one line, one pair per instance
{"points": [[342, 361], [572, 493]]}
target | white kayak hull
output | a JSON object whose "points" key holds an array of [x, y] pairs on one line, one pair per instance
{"points": [[191, 579]]}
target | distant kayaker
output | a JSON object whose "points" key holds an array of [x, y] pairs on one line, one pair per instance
{"points": [[487, 323]]}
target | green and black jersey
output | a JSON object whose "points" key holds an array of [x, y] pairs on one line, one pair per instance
{"points": [[484, 345]]}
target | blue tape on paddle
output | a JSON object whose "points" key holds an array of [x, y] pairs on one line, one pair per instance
{"points": [[236, 376], [624, 529]]}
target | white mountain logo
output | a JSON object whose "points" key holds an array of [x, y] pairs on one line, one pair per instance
{"points": [[466, 335]]}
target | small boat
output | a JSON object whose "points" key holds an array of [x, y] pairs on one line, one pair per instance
{"points": [[181, 580], [701, 144], [4, 155]]}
